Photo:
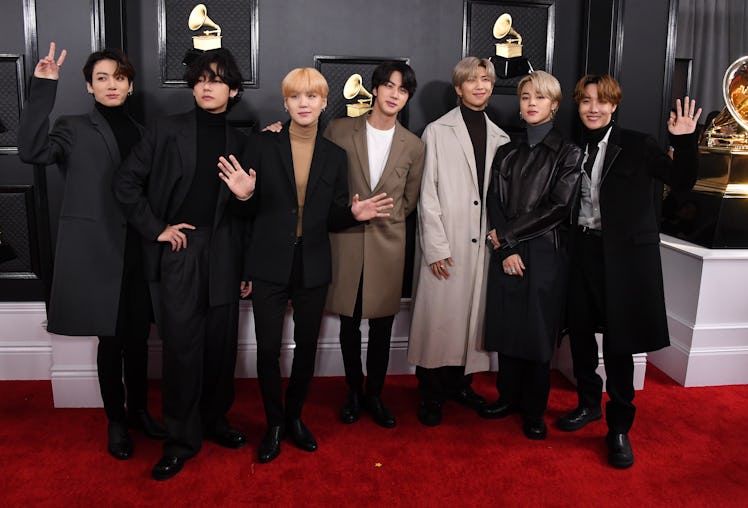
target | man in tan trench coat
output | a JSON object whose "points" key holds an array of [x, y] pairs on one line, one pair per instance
{"points": [[368, 260], [446, 334]]}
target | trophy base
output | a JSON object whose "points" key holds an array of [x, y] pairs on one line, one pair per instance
{"points": [[354, 110], [511, 67], [206, 42]]}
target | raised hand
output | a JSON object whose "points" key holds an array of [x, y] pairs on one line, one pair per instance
{"points": [[48, 67], [276, 126], [173, 234], [684, 119], [371, 208], [240, 182]]}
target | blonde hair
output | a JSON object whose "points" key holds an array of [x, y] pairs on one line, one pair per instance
{"points": [[545, 84], [303, 80], [468, 67]]}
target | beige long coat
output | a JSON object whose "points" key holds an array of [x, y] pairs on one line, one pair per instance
{"points": [[448, 315], [376, 248]]}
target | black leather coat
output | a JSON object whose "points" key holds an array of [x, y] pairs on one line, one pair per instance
{"points": [[531, 196]]}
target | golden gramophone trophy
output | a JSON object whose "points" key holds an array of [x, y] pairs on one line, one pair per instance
{"points": [[715, 213], [508, 60], [353, 89], [209, 39]]}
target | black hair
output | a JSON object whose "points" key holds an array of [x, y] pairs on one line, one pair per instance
{"points": [[124, 67], [384, 71], [226, 69]]}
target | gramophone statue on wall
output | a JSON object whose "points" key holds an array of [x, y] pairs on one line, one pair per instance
{"points": [[353, 89], [209, 39], [509, 62], [718, 204]]}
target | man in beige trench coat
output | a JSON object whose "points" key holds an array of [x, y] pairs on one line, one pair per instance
{"points": [[368, 260], [446, 334]]}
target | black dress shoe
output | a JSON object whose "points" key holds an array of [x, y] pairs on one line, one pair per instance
{"points": [[270, 446], [229, 438], [119, 443], [351, 411], [301, 436], [620, 454], [141, 420], [430, 412], [468, 398], [379, 412], [579, 417], [167, 467], [534, 429], [498, 409]]}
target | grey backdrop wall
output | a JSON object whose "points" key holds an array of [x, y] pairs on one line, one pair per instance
{"points": [[291, 33]]}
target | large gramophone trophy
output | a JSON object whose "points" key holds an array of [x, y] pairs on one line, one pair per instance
{"points": [[209, 39], [508, 61], [715, 214]]}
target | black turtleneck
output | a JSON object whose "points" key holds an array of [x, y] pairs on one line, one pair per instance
{"points": [[536, 133], [125, 131], [594, 136], [475, 121], [199, 206]]}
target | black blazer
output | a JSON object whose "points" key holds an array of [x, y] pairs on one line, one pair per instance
{"points": [[634, 296], [151, 186], [90, 249], [274, 207]]}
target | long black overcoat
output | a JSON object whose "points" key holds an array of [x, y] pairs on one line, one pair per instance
{"points": [[634, 296], [89, 254]]}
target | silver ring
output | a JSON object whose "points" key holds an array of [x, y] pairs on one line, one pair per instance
{"points": [[690, 116], [511, 270]]}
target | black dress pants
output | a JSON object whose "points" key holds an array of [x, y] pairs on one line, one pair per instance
{"points": [[377, 351], [124, 356], [200, 344], [525, 385], [269, 301], [441, 383], [586, 314]]}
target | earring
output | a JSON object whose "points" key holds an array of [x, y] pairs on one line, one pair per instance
{"points": [[520, 115], [129, 93], [553, 113], [323, 109]]}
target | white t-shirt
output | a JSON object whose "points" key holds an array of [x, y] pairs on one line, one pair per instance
{"points": [[378, 145]]}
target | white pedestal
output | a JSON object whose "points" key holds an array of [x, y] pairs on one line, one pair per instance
{"points": [[706, 292]]}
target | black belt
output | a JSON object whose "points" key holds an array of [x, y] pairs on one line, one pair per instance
{"points": [[590, 232]]}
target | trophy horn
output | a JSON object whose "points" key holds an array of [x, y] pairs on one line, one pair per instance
{"points": [[199, 18]]}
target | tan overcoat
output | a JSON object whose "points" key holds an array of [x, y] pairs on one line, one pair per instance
{"points": [[378, 247], [448, 315]]}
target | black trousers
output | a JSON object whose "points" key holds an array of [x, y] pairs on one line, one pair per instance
{"points": [[586, 314], [441, 383], [377, 351], [524, 384], [270, 301], [200, 343], [124, 356]]}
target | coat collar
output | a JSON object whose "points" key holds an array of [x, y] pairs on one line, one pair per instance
{"points": [[612, 150], [494, 138], [283, 141], [362, 153]]}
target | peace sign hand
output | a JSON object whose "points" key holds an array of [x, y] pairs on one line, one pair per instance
{"points": [[48, 67]]}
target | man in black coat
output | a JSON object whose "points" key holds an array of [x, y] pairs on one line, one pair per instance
{"points": [[192, 227], [616, 274]]}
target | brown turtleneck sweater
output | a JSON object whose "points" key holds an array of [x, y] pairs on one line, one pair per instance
{"points": [[302, 150]]}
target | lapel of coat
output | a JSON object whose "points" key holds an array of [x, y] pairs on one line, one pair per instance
{"points": [[283, 141], [233, 147], [362, 152], [102, 126], [186, 138], [495, 137], [463, 138], [396, 149], [319, 158], [611, 151]]}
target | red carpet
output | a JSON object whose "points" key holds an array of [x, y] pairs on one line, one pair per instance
{"points": [[689, 446]]}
